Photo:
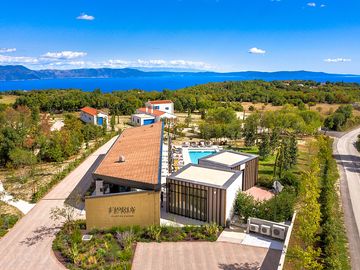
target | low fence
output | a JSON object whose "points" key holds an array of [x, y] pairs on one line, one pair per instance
{"points": [[286, 243]]}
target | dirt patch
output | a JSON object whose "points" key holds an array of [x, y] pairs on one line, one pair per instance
{"points": [[9, 209]]}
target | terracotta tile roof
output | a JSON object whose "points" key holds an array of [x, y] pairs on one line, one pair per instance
{"points": [[152, 112], [141, 148], [160, 101], [89, 110]]}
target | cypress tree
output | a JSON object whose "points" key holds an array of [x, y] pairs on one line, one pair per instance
{"points": [[264, 146]]}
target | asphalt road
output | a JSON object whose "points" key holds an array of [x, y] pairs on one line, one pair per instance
{"points": [[348, 159], [28, 244]]}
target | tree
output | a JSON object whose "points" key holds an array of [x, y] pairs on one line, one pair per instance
{"points": [[188, 119], [21, 157], [35, 114], [293, 150], [274, 139], [264, 146], [104, 127], [250, 129], [309, 197], [112, 122]]}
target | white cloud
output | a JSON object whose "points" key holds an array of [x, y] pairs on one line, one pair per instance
{"points": [[7, 50], [337, 60], [256, 51], [322, 5], [157, 63], [64, 55], [16, 60], [311, 4], [85, 17], [69, 59]]}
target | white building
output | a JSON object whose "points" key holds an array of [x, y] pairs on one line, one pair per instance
{"points": [[141, 119], [93, 116], [203, 193], [161, 105], [149, 114]]}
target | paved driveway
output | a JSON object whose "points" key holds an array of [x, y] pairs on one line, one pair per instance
{"points": [[28, 244], [203, 255], [348, 159]]}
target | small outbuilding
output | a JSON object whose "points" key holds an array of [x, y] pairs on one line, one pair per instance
{"points": [[93, 116], [203, 193], [142, 119], [246, 163]]}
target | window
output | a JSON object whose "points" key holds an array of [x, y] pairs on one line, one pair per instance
{"points": [[156, 107], [138, 121], [167, 108]]}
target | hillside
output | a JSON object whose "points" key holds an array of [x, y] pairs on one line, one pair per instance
{"points": [[13, 73]]}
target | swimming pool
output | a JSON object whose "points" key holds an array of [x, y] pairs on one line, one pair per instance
{"points": [[196, 155]]}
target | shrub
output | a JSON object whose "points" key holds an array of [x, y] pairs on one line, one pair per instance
{"points": [[357, 144], [101, 252], [279, 208], [125, 255], [265, 180], [290, 179], [20, 157], [76, 236], [211, 229], [154, 232], [125, 239], [245, 205]]}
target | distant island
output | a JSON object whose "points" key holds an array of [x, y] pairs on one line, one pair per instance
{"points": [[21, 73]]}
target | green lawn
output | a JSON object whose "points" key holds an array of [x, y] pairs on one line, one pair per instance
{"points": [[266, 166]]}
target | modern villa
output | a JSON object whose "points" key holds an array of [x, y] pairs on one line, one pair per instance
{"points": [[246, 163], [207, 191], [93, 116], [128, 183], [153, 112]]}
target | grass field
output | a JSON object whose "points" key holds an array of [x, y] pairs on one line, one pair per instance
{"points": [[7, 99], [323, 108]]}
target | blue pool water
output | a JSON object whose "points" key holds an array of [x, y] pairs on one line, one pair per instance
{"points": [[196, 155]]}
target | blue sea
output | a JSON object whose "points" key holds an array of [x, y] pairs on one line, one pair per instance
{"points": [[158, 83]]}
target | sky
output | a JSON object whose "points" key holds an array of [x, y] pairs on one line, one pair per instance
{"points": [[218, 35]]}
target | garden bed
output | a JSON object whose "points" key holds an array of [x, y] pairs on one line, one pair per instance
{"points": [[114, 248]]}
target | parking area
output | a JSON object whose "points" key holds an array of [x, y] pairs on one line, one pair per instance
{"points": [[204, 255]]}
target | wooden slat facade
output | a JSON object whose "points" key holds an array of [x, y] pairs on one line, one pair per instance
{"points": [[250, 173], [196, 201]]}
